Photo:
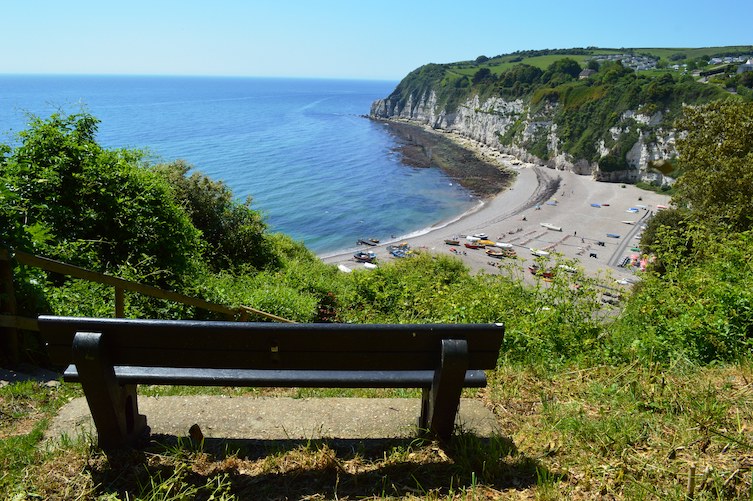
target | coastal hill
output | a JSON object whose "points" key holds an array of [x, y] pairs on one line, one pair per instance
{"points": [[605, 112]]}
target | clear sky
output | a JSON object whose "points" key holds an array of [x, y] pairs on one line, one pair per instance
{"points": [[365, 39]]}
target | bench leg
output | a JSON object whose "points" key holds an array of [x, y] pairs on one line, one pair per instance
{"points": [[439, 404], [114, 407]]}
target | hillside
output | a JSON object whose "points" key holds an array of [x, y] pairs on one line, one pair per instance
{"points": [[615, 122]]}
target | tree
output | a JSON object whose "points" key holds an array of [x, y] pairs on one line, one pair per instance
{"points": [[234, 233], [561, 71], [482, 75], [716, 155], [76, 201]]}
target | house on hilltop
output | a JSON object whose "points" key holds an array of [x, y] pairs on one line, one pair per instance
{"points": [[748, 66], [586, 73]]}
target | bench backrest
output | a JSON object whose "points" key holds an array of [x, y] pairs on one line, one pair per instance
{"points": [[251, 345]]}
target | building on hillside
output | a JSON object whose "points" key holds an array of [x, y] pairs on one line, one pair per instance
{"points": [[586, 73], [748, 66]]}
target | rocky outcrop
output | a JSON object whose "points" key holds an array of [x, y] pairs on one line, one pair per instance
{"points": [[510, 126]]}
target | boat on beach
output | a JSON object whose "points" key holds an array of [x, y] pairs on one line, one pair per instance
{"points": [[550, 226], [500, 253], [452, 241], [472, 245], [367, 241], [535, 270], [503, 245], [365, 257], [494, 252], [400, 250]]}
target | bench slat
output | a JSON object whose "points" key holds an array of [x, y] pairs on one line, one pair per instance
{"points": [[279, 378], [228, 345]]}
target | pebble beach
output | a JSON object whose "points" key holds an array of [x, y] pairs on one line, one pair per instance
{"points": [[595, 224]]}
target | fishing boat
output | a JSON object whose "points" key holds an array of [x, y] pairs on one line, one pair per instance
{"points": [[539, 252], [485, 242], [503, 245], [344, 268], [629, 222], [613, 235], [452, 241], [365, 257], [550, 226], [595, 205], [399, 250], [369, 241], [535, 270], [369, 266], [494, 252], [632, 210], [471, 245]]}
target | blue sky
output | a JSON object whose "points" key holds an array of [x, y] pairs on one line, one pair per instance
{"points": [[368, 39]]}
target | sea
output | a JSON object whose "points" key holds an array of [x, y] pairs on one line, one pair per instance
{"points": [[303, 150]]}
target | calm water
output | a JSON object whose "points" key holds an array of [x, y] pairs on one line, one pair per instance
{"points": [[301, 149]]}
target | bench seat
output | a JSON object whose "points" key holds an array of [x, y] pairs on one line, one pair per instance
{"points": [[278, 378]]}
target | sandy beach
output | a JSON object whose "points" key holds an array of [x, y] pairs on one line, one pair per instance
{"points": [[599, 237]]}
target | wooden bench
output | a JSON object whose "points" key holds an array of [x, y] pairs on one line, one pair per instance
{"points": [[109, 357]]}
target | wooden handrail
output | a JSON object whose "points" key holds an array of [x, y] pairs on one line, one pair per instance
{"points": [[77, 272], [121, 284], [23, 323]]}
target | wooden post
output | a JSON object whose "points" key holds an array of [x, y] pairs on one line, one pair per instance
{"points": [[8, 335], [119, 302]]}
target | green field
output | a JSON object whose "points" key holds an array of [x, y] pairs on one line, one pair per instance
{"points": [[498, 64]]}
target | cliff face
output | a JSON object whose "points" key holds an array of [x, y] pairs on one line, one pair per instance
{"points": [[512, 126]]}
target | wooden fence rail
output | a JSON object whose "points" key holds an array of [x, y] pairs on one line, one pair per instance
{"points": [[10, 323]]}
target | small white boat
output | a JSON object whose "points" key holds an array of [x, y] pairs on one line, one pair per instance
{"points": [[503, 245], [539, 252], [369, 266], [473, 238], [550, 226], [629, 222], [343, 268]]}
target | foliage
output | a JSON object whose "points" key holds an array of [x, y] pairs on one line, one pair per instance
{"points": [[233, 234], [700, 309], [94, 207], [716, 155], [549, 322], [67, 198]]}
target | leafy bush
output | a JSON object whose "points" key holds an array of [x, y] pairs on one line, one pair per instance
{"points": [[702, 312]]}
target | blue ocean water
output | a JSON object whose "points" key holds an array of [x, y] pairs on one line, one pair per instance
{"points": [[301, 149]]}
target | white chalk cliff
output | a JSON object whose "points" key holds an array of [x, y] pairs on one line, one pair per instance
{"points": [[510, 126]]}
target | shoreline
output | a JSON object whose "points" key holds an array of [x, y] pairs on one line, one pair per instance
{"points": [[516, 214]]}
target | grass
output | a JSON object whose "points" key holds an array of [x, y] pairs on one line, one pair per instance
{"points": [[627, 432]]}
